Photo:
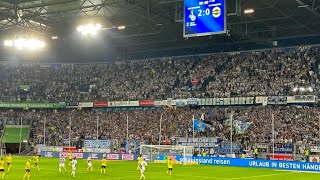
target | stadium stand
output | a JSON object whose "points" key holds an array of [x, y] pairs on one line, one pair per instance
{"points": [[268, 72], [290, 123], [222, 75]]}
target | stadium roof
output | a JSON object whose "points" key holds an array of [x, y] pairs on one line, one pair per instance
{"points": [[157, 24]]}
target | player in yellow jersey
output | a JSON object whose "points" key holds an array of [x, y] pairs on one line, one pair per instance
{"points": [[9, 161], [70, 158], [103, 165], [2, 168], [36, 159], [27, 167], [170, 166], [140, 160]]}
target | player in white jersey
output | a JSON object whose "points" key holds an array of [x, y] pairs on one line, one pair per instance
{"points": [[74, 167], [89, 163], [62, 164], [143, 168]]}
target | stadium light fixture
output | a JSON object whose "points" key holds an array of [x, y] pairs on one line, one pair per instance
{"points": [[25, 43], [248, 11], [8, 43], [89, 29], [122, 27]]}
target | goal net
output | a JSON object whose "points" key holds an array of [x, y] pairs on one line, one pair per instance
{"points": [[160, 153]]}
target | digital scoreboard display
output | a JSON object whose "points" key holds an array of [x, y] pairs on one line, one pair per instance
{"points": [[204, 17]]}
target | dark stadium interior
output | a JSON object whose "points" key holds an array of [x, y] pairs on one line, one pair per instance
{"points": [[154, 27]]}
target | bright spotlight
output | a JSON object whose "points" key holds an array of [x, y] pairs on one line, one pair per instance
{"points": [[248, 11], [295, 89], [89, 29], [310, 89], [54, 37], [121, 27], [25, 43], [8, 43]]}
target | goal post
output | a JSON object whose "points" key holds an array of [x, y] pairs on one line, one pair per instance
{"points": [[156, 153]]}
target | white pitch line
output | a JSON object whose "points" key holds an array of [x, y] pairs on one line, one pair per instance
{"points": [[258, 176], [293, 171], [204, 177]]}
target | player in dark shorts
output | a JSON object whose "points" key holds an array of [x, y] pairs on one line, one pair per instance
{"points": [[2, 168], [103, 165]]}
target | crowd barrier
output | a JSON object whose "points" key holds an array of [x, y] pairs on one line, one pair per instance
{"points": [[270, 164], [85, 155]]}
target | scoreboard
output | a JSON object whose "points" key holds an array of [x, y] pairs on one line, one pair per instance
{"points": [[204, 17]]}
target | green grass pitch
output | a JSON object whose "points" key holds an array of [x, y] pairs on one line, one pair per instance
{"points": [[123, 170]]}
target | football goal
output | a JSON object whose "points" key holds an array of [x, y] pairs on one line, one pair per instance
{"points": [[161, 152]]}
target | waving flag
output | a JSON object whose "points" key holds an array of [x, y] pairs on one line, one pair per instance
{"points": [[202, 125], [199, 125], [241, 126], [202, 117]]}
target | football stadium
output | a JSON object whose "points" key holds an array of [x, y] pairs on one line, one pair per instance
{"points": [[160, 89]]}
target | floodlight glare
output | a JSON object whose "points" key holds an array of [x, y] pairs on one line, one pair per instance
{"points": [[8, 43], [25, 43], [121, 27], [89, 29], [248, 11]]}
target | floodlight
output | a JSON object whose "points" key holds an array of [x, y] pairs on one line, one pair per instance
{"points": [[25, 43], [89, 29], [122, 27], [248, 11], [8, 43]]}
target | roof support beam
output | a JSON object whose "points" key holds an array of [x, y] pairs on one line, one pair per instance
{"points": [[308, 8], [46, 3]]}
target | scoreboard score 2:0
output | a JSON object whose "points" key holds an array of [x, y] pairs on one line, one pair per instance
{"points": [[216, 12], [204, 17]]}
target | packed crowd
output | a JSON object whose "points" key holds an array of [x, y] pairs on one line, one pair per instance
{"points": [[270, 72], [292, 124]]}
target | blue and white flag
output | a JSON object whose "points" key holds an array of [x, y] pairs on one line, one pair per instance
{"points": [[199, 125], [241, 126]]}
